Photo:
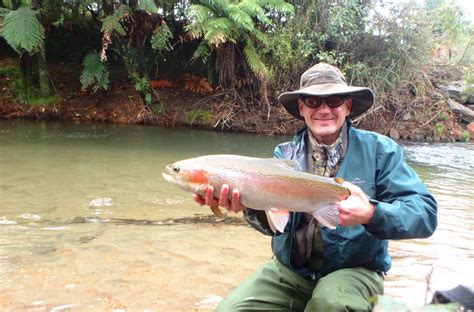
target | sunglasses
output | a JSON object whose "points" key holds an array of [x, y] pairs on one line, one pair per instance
{"points": [[332, 101]]}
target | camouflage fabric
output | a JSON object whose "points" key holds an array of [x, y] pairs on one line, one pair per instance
{"points": [[324, 160]]}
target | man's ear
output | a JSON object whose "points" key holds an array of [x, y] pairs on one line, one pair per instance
{"points": [[349, 105], [300, 106]]}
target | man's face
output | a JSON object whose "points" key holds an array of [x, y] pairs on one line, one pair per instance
{"points": [[324, 121]]}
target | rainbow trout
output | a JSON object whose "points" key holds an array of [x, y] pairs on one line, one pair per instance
{"points": [[272, 185]]}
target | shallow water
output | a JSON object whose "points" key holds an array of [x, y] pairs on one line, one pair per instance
{"points": [[88, 223]]}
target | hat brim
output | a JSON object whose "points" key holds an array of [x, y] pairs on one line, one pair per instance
{"points": [[362, 98]]}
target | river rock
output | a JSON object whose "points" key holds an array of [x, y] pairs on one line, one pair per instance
{"points": [[459, 91], [394, 134], [454, 90], [406, 116], [465, 112]]}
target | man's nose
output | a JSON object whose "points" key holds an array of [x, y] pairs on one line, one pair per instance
{"points": [[324, 107]]}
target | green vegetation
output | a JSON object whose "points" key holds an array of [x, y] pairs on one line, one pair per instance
{"points": [[439, 129], [95, 73], [465, 136], [250, 50], [198, 115]]}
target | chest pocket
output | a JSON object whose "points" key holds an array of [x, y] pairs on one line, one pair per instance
{"points": [[367, 187]]}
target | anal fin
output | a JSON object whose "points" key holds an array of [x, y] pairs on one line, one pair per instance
{"points": [[277, 219]]}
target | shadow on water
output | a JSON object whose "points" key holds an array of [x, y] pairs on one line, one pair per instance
{"points": [[187, 220], [198, 219]]}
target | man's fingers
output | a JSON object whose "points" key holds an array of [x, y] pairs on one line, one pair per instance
{"points": [[209, 196], [236, 205], [223, 197], [198, 199]]}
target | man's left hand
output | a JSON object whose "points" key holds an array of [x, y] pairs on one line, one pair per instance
{"points": [[355, 209]]}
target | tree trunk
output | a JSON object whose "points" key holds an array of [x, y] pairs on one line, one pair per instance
{"points": [[42, 65], [43, 73], [26, 76]]}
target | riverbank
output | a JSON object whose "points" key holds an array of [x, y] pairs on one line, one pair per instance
{"points": [[402, 115]]}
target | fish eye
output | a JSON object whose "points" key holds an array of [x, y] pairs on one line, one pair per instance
{"points": [[176, 169]]}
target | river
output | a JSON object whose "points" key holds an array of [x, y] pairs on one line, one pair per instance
{"points": [[87, 222]]}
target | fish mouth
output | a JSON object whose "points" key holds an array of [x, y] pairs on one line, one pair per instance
{"points": [[168, 175]]}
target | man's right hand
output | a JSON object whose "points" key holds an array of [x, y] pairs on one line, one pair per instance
{"points": [[223, 201]]}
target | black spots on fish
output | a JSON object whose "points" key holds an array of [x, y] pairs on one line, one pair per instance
{"points": [[339, 180]]}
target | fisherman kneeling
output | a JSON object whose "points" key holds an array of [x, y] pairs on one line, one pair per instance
{"points": [[317, 268]]}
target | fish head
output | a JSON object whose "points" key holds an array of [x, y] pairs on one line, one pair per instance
{"points": [[187, 175]]}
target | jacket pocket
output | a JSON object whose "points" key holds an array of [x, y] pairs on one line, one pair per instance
{"points": [[356, 246]]}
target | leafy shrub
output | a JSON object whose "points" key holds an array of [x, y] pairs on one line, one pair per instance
{"points": [[95, 73]]}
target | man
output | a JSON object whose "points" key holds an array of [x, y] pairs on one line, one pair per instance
{"points": [[320, 269]]}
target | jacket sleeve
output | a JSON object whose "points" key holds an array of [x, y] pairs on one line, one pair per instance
{"points": [[404, 208], [257, 218]]}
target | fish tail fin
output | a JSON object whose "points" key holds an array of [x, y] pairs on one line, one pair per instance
{"points": [[277, 219], [327, 215]]}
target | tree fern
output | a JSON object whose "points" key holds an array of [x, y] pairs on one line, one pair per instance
{"points": [[253, 8], [236, 21], [22, 30], [95, 73], [148, 6], [240, 17], [254, 62], [112, 23], [202, 52], [160, 40], [199, 13], [278, 5]]}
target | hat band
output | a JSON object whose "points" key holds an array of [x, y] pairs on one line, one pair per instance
{"points": [[322, 80]]}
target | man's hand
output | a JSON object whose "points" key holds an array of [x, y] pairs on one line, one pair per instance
{"points": [[355, 209], [223, 201]]}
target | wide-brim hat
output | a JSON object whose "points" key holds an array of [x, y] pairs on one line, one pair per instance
{"points": [[325, 80]]}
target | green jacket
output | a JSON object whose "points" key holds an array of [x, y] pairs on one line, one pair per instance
{"points": [[403, 206]]}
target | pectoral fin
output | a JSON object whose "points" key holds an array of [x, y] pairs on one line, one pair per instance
{"points": [[327, 216], [277, 219]]}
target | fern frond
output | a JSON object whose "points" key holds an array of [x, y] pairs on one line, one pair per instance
{"points": [[253, 8], [217, 37], [199, 13], [278, 5], [3, 13], [254, 62], [112, 23], [217, 6], [202, 52], [241, 19], [22, 30], [95, 73], [148, 6], [160, 40], [219, 31], [195, 31], [260, 36], [221, 23]]}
